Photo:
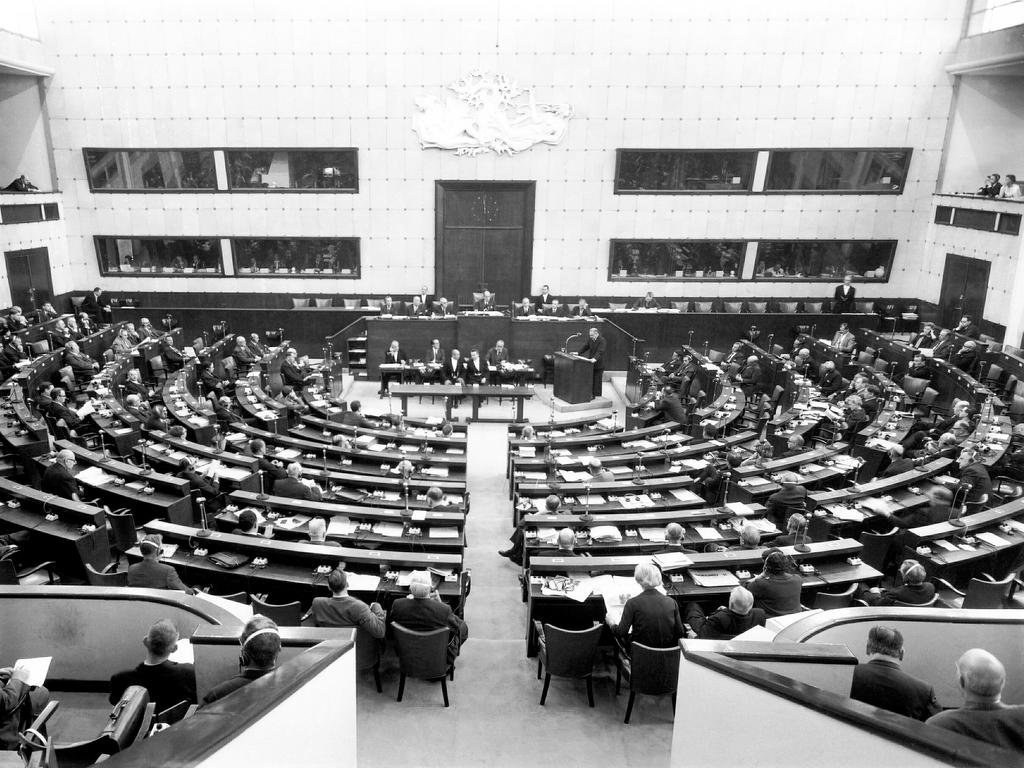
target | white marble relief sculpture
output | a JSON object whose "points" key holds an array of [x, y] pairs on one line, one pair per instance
{"points": [[488, 112]]}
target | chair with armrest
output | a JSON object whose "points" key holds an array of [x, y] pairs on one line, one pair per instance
{"points": [[284, 614], [34, 746], [34, 575], [236, 597], [129, 723], [567, 653], [1006, 489], [125, 534], [875, 548], [828, 600], [991, 375], [930, 604], [985, 592], [866, 358], [67, 379], [108, 577], [788, 307], [650, 671], [422, 656], [156, 365], [813, 307], [40, 347]]}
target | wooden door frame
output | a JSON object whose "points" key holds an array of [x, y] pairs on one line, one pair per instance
{"points": [[979, 313], [441, 186], [47, 276]]}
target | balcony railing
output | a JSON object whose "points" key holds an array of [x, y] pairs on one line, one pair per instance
{"points": [[986, 214]]}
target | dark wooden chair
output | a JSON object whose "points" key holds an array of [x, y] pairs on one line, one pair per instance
{"points": [[650, 671], [108, 577], [284, 614], [985, 592], [567, 653], [422, 656]]}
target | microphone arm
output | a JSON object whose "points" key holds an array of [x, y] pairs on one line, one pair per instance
{"points": [[570, 338]]}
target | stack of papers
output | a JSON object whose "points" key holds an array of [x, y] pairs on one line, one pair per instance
{"points": [[669, 561], [993, 539], [739, 509], [443, 532], [93, 476], [361, 582], [686, 496], [651, 533], [707, 533], [605, 533], [714, 577], [341, 526], [392, 530]]}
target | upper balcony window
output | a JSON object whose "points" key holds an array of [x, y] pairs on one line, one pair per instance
{"points": [[150, 169], [676, 259], [158, 256], [674, 171], [297, 257], [874, 171], [824, 259], [333, 170]]}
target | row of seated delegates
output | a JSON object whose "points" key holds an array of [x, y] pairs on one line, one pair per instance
{"points": [[530, 308], [168, 682], [450, 367], [1009, 188], [246, 352], [71, 329]]}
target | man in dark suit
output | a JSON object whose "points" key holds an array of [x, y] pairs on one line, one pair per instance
{"points": [[975, 476], [243, 354], [925, 338], [967, 357], [647, 302], [292, 487], [174, 360], [93, 306], [582, 309], [417, 308], [830, 381], [157, 420], [594, 348], [898, 463], [454, 368], [554, 309], [881, 683], [167, 682], [292, 372], [44, 397], [792, 497], [393, 356], [150, 573], [749, 376], [353, 417], [844, 296], [46, 312], [943, 347], [485, 303], [671, 407], [967, 327], [736, 355], [272, 470], [441, 308], [388, 307], [476, 368], [58, 409], [82, 365], [133, 384], [497, 356], [58, 478], [544, 297], [205, 484], [423, 611], [919, 369], [222, 410], [208, 379], [523, 309], [426, 299], [725, 623]]}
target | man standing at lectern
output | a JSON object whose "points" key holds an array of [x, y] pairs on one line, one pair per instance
{"points": [[594, 350]]}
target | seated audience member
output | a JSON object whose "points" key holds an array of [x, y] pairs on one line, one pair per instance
{"points": [[919, 369], [293, 370], [261, 645], [417, 308], [914, 590], [670, 408], [441, 308], [794, 446], [524, 308], [855, 418], [46, 312], [497, 360], [243, 354], [925, 338], [146, 330], [708, 482], [343, 610], [133, 335], [157, 420], [674, 533], [273, 470], [14, 350], [208, 379], [515, 552], [1011, 189], [388, 307], [150, 573], [222, 410], [750, 538], [777, 588], [792, 497], [880, 682], [476, 368], [205, 485], [582, 309], [749, 376], [44, 397], [966, 358], [647, 302], [20, 703], [843, 341], [528, 432], [649, 618], [803, 363], [898, 464], [983, 716], [454, 369], [566, 541], [353, 417], [726, 622], [73, 329], [991, 186], [248, 524], [485, 303], [752, 334], [86, 325], [318, 533], [966, 327], [174, 358], [292, 487], [58, 478], [796, 532], [133, 384], [82, 365], [256, 346], [168, 682], [599, 472], [58, 409], [944, 345], [426, 299], [736, 355], [16, 320], [830, 381], [423, 611], [122, 344], [975, 476]]}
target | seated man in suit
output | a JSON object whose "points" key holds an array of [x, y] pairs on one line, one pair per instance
{"points": [[843, 341], [133, 384], [925, 338], [647, 302], [16, 320], [256, 347], [353, 417], [544, 297], [974, 475], [394, 356], [554, 309], [222, 410], [749, 376], [898, 464], [523, 308], [670, 408], [205, 485], [44, 397], [967, 327], [58, 478], [208, 380], [919, 369], [944, 345], [423, 611], [122, 344], [441, 308], [293, 370], [146, 329], [803, 363], [343, 610], [726, 622], [137, 407], [792, 497], [81, 364], [830, 381], [292, 487], [46, 312], [272, 470], [674, 534], [750, 538], [73, 329], [150, 573], [167, 682], [86, 324], [60, 335], [476, 368], [261, 645], [157, 420], [881, 683], [174, 358], [454, 369], [58, 409], [318, 535], [914, 590], [967, 358], [497, 360], [433, 361], [243, 355], [582, 309], [389, 307], [485, 303], [417, 308], [425, 299]]}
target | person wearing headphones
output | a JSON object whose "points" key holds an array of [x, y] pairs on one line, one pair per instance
{"points": [[777, 587], [261, 645], [150, 572]]}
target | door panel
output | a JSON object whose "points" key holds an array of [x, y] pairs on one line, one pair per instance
{"points": [[28, 274], [501, 263], [964, 289]]}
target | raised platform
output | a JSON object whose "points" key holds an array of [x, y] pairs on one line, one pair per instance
{"points": [[598, 403]]}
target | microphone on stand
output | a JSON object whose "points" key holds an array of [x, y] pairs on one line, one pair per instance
{"points": [[262, 496], [800, 544], [204, 531], [570, 338]]}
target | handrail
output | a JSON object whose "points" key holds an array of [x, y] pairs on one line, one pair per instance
{"points": [[336, 336]]}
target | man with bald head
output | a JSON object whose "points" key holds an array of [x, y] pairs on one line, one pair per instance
{"points": [[515, 552], [983, 715], [880, 681], [423, 611], [58, 478], [726, 622]]}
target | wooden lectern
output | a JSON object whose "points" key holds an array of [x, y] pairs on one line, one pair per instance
{"points": [[574, 378]]}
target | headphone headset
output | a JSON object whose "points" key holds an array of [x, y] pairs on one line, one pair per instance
{"points": [[243, 658]]}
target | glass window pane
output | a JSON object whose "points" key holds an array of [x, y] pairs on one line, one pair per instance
{"points": [[158, 257], [969, 218], [676, 259], [277, 169], [303, 257], [824, 259], [649, 170], [838, 170], [135, 169]]}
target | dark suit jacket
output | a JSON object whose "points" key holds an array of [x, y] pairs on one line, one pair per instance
{"points": [[291, 488], [883, 684], [646, 303], [558, 311], [941, 348], [585, 312], [522, 311], [136, 388], [981, 483], [271, 472], [922, 341], [595, 348], [830, 382], [724, 624], [970, 330], [168, 683], [393, 359], [356, 419], [59, 481], [494, 359], [292, 374], [434, 356], [154, 422], [898, 466], [91, 307], [173, 359], [672, 409], [844, 298], [394, 309], [965, 359], [153, 575], [420, 311], [540, 300], [482, 306], [452, 373], [651, 618], [58, 412], [475, 373], [438, 311]]}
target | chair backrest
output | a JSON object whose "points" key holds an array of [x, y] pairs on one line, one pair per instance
{"points": [[827, 600], [928, 396], [681, 305], [571, 653], [122, 525], [8, 573], [929, 604], [156, 362], [296, 303], [813, 307], [236, 597], [40, 347], [97, 579], [351, 303], [616, 305], [327, 302], [285, 614], [881, 364], [865, 307], [230, 366], [703, 306], [733, 307], [875, 547], [1017, 406], [913, 386], [865, 358], [789, 307], [423, 655], [654, 671], [757, 306], [982, 593]]}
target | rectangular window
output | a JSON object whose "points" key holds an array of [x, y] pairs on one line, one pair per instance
{"points": [[825, 260], [971, 218], [159, 257], [297, 257], [333, 170], [673, 171], [676, 259], [943, 214], [875, 171], [21, 213], [150, 169], [1009, 223]]}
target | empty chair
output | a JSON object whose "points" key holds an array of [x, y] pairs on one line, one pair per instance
{"points": [[828, 600], [733, 307], [715, 357], [125, 534], [682, 306], [236, 597], [875, 548], [788, 307], [759, 307], [914, 387], [865, 307], [129, 723], [40, 347], [1011, 385], [422, 656], [156, 365], [865, 358], [927, 398], [983, 592], [650, 671], [813, 307], [43, 573], [992, 375], [298, 303], [108, 577], [778, 349], [881, 364], [703, 306], [567, 653], [284, 614]]}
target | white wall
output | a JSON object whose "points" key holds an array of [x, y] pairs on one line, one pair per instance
{"points": [[23, 149], [740, 74], [51, 235]]}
